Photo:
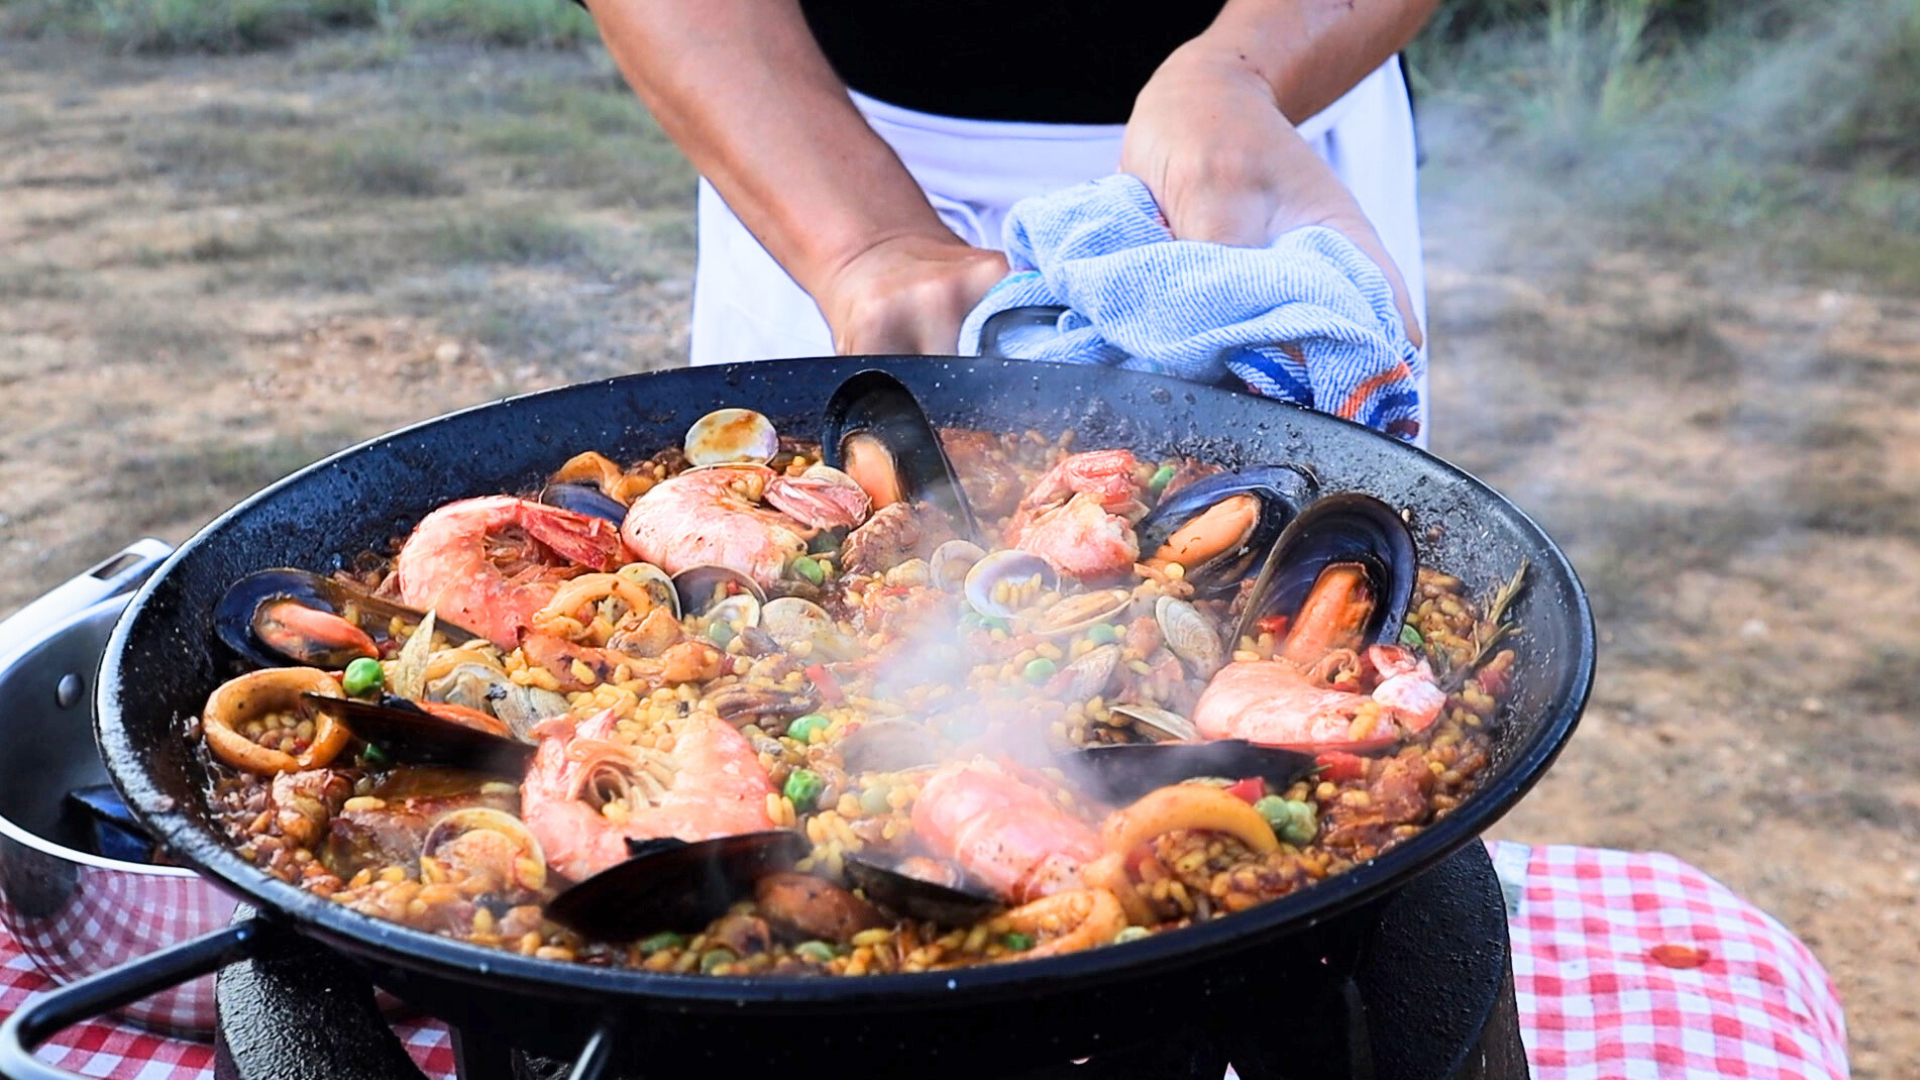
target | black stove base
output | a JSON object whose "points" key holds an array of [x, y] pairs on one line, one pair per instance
{"points": [[1419, 988]]}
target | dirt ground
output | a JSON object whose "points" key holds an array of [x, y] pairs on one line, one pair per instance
{"points": [[214, 271]]}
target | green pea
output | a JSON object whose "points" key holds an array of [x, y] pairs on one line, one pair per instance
{"points": [[1131, 933], [1101, 633], [804, 567], [363, 677], [995, 622], [375, 756], [814, 950], [666, 939], [721, 633], [1161, 478], [971, 620], [803, 728], [1294, 822], [803, 787], [1018, 942], [1039, 669], [1410, 637], [873, 801], [714, 959]]}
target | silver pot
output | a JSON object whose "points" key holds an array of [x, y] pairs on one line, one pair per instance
{"points": [[75, 913]]}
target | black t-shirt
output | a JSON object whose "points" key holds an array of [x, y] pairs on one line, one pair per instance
{"points": [[1050, 61]]}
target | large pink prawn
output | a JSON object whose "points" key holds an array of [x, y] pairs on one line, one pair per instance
{"points": [[718, 517], [1077, 515], [1274, 701], [587, 793], [490, 564]]}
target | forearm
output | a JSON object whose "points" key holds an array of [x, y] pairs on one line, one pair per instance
{"points": [[742, 89], [1310, 51]]}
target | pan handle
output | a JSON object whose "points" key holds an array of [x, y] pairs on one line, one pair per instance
{"points": [[111, 578], [1003, 329], [44, 1017]]}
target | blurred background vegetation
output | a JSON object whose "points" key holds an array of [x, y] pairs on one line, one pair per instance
{"points": [[1683, 120]]}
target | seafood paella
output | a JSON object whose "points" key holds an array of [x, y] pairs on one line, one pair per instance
{"points": [[897, 699]]}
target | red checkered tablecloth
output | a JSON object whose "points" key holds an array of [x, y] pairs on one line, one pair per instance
{"points": [[1626, 966]]}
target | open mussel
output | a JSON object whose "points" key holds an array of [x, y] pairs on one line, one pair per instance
{"points": [[1218, 528], [1341, 575], [586, 500], [1125, 772], [670, 884], [287, 616], [922, 888], [409, 732], [876, 432]]}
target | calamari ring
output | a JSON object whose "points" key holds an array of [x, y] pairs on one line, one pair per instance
{"points": [[1074, 920], [239, 700], [1187, 806], [557, 617]]}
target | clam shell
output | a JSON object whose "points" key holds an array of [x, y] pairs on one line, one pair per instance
{"points": [[1007, 565], [1088, 675], [659, 585], [696, 587], [731, 437], [1191, 636], [790, 620], [1081, 610], [951, 561], [1160, 725], [889, 745]]}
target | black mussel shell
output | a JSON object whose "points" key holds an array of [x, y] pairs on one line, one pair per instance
{"points": [[106, 826], [918, 898], [670, 884], [874, 402], [1342, 528], [234, 617], [585, 500], [1125, 772], [407, 733], [1282, 491]]}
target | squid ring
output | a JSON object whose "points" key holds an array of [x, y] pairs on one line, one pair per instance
{"points": [[273, 689]]}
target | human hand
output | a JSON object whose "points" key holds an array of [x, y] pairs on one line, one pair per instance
{"points": [[1227, 166], [907, 294]]}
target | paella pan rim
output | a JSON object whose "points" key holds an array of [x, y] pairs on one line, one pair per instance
{"points": [[132, 731]]}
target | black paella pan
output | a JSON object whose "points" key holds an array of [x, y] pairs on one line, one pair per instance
{"points": [[164, 659]]}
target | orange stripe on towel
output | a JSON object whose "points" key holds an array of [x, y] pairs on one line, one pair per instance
{"points": [[1351, 407]]}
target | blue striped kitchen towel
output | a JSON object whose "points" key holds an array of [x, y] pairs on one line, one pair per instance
{"points": [[1310, 319]]}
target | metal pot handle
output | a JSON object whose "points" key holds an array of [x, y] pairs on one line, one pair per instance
{"points": [[42, 1018], [111, 578]]}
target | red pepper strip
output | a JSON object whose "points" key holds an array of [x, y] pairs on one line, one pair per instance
{"points": [[1251, 790], [1273, 624], [1340, 766], [829, 686]]}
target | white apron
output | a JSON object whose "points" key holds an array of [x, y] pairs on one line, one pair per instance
{"points": [[745, 307]]}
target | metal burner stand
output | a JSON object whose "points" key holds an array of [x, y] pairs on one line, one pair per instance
{"points": [[1419, 988]]}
